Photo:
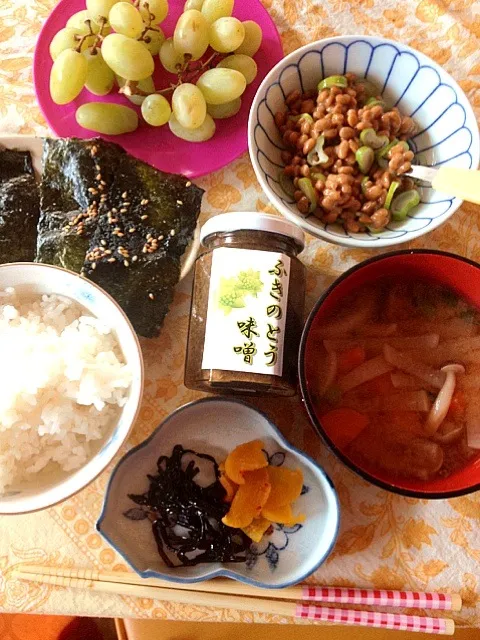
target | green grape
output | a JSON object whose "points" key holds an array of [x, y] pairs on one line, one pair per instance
{"points": [[191, 34], [100, 78], [226, 110], [68, 76], [106, 117], [156, 110], [169, 56], [221, 85], [240, 62], [128, 58], [201, 134], [126, 19], [98, 9], [253, 39], [189, 106], [215, 9], [193, 4], [146, 85], [153, 40], [63, 39], [159, 9], [226, 34], [77, 21]]}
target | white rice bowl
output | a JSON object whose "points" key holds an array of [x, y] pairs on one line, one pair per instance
{"points": [[63, 382]]}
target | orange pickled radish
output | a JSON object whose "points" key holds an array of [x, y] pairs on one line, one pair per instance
{"points": [[257, 529], [229, 486], [282, 515], [249, 499], [286, 486], [246, 457]]}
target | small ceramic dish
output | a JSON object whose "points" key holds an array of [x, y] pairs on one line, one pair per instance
{"points": [[52, 485], [216, 426], [447, 136], [35, 146]]}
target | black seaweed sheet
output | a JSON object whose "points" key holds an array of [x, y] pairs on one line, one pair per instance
{"points": [[100, 208], [19, 207]]}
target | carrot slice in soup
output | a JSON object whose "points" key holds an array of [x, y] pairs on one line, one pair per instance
{"points": [[344, 425], [246, 457], [350, 358]]}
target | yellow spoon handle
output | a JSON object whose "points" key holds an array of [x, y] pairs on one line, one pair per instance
{"points": [[463, 183]]}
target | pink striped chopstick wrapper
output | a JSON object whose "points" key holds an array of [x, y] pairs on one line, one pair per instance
{"points": [[383, 598], [398, 621]]}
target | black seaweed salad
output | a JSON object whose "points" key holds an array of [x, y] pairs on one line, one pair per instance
{"points": [[186, 517]]}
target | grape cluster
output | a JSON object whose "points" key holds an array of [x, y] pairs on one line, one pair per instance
{"points": [[115, 42], [250, 281]]}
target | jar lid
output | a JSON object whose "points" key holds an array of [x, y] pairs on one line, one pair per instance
{"points": [[252, 221]]}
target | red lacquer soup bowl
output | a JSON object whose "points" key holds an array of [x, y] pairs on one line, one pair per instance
{"points": [[445, 269]]}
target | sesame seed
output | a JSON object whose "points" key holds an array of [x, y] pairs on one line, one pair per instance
{"points": [[123, 210], [144, 202], [98, 176], [188, 184], [111, 260], [179, 202], [103, 183], [93, 265], [172, 232], [149, 235], [132, 230], [143, 217], [160, 237], [108, 252], [103, 242], [151, 296], [92, 190], [114, 210], [100, 187], [144, 250], [134, 258], [127, 204], [126, 263], [124, 195]]}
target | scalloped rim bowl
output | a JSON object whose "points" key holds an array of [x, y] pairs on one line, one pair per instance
{"points": [[216, 426], [408, 79]]}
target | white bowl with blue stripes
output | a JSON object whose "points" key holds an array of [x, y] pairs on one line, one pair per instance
{"points": [[447, 128]]}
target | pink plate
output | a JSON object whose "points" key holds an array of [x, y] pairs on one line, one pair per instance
{"points": [[158, 146]]}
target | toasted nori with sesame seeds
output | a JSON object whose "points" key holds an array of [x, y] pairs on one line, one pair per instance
{"points": [[94, 199], [19, 207]]}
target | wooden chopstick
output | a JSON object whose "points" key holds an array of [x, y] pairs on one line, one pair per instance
{"points": [[306, 593], [384, 620]]}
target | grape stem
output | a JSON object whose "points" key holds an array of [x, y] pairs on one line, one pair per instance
{"points": [[188, 72], [98, 40]]}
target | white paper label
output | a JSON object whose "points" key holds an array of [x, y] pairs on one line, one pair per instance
{"points": [[247, 309]]}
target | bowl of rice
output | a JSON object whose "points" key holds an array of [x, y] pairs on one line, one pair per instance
{"points": [[71, 384]]}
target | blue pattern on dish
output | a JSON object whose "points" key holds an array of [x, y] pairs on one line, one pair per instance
{"points": [[448, 130]]}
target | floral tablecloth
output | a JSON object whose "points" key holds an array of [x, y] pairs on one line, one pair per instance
{"points": [[385, 541]]}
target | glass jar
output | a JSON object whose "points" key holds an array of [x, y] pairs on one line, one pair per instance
{"points": [[247, 306]]}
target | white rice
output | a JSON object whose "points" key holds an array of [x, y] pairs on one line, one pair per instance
{"points": [[62, 383]]}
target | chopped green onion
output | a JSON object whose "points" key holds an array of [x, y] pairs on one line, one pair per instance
{"points": [[317, 155], [372, 102], [286, 183], [370, 138], [365, 157], [302, 116], [385, 150], [306, 186], [390, 193], [316, 176], [363, 184], [404, 203], [371, 89], [333, 81], [374, 230]]}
